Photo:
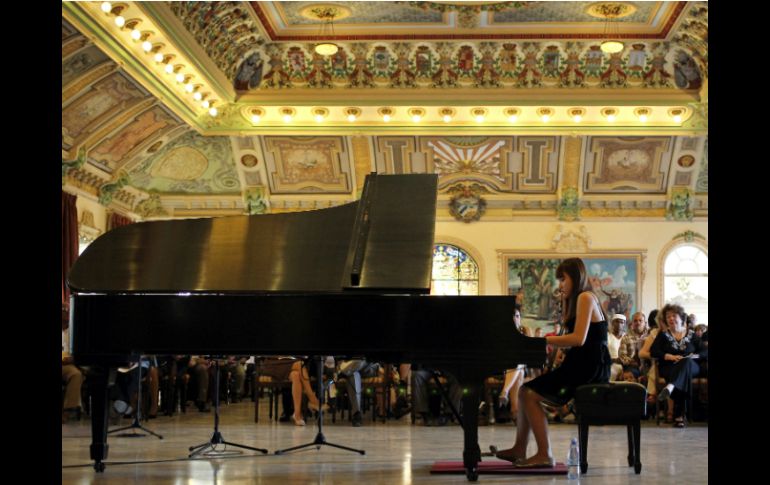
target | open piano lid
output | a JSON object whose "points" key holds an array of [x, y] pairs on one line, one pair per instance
{"points": [[383, 242]]}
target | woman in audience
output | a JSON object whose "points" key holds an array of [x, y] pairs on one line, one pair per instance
{"points": [[586, 362], [655, 325], [284, 368], [675, 350]]}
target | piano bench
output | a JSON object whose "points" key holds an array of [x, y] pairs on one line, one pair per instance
{"points": [[615, 403]]}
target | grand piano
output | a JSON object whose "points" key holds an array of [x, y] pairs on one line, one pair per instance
{"points": [[348, 280]]}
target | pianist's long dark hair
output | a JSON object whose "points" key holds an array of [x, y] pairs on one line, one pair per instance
{"points": [[576, 269]]}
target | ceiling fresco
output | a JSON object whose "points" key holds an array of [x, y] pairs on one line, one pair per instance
{"points": [[134, 140]]}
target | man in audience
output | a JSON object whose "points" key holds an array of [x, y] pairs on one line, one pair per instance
{"points": [[617, 330], [630, 344]]}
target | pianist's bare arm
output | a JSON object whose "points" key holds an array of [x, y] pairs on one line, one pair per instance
{"points": [[587, 311]]}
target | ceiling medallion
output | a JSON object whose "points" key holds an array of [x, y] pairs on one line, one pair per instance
{"points": [[467, 205], [321, 11], [613, 10]]}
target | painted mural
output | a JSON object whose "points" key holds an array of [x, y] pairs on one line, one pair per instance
{"points": [[532, 279], [80, 62], [104, 96], [112, 150], [189, 164], [637, 164], [307, 164], [480, 159]]}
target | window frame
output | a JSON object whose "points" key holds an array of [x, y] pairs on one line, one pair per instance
{"points": [[682, 240], [470, 254]]}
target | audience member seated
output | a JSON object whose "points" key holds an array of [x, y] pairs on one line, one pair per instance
{"points": [[655, 323], [198, 385], [630, 345], [353, 371], [675, 350], [236, 366], [692, 321], [702, 338], [126, 384], [420, 395], [283, 368], [616, 332], [71, 376]]}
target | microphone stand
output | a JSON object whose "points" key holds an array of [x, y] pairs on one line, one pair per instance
{"points": [[320, 439], [137, 413], [216, 438]]}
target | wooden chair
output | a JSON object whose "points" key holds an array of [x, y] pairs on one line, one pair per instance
{"points": [[260, 383], [492, 388]]}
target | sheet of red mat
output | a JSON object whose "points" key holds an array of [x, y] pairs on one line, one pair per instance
{"points": [[497, 467]]}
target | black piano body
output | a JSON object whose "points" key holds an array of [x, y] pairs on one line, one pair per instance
{"points": [[349, 280]]}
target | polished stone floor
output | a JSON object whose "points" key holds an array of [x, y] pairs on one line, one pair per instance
{"points": [[396, 453]]}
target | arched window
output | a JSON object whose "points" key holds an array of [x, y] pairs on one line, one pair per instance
{"points": [[686, 280], [454, 272]]}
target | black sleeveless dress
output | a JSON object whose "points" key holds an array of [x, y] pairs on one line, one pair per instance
{"points": [[588, 364]]}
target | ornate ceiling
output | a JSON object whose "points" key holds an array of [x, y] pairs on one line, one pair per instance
{"points": [[294, 130]]}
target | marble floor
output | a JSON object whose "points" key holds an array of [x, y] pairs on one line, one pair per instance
{"points": [[396, 453]]}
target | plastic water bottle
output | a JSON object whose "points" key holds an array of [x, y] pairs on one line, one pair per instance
{"points": [[573, 461]]}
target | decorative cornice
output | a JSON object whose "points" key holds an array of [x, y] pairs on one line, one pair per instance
{"points": [[569, 205], [680, 205], [689, 236], [567, 241]]}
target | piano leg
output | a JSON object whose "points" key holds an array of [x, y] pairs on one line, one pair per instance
{"points": [[97, 381], [471, 452]]}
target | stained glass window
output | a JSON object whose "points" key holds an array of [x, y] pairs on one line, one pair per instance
{"points": [[686, 280], [454, 272]]}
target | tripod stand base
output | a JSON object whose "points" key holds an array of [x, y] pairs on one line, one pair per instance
{"points": [[319, 440], [135, 425], [216, 439]]}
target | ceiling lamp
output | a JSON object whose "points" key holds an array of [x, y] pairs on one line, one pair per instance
{"points": [[416, 114], [609, 11], [256, 115], [545, 114], [446, 114], [386, 113], [576, 114], [643, 114], [512, 114], [352, 114], [326, 15], [319, 114], [610, 113], [479, 114], [677, 114]]}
